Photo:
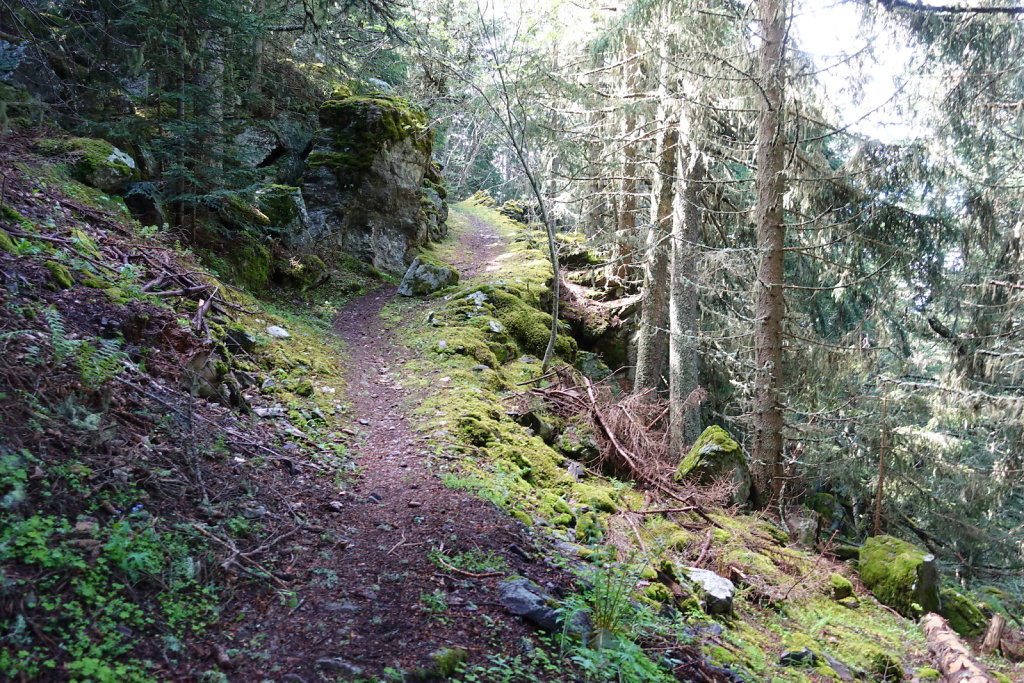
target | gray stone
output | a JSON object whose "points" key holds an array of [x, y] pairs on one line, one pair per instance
{"points": [[372, 202], [342, 607], [424, 278], [801, 658], [255, 144], [803, 527], [496, 326], [336, 665], [716, 592], [575, 469], [380, 86], [843, 671], [277, 332], [526, 599]]}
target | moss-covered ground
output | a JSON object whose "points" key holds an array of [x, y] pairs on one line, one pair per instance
{"points": [[467, 368]]}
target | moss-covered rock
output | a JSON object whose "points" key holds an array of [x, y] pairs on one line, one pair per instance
{"points": [[360, 127], [840, 586], [963, 615], [96, 163], [900, 575], [251, 262], [281, 204], [60, 276], [716, 455], [824, 504], [599, 497], [300, 271], [426, 276]]}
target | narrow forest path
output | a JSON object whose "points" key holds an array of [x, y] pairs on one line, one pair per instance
{"points": [[387, 603]]}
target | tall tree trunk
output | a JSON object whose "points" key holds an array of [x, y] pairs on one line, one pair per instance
{"points": [[627, 200], [684, 369], [652, 337], [771, 235]]}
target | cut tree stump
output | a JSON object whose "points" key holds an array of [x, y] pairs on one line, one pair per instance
{"points": [[994, 634], [949, 655]]}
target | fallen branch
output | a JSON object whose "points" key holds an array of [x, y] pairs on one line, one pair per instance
{"points": [[474, 575], [951, 656]]}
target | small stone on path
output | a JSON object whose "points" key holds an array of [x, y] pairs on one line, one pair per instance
{"points": [[277, 332], [415, 504]]}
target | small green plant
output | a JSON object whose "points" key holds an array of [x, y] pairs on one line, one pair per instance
{"points": [[435, 602], [475, 561]]}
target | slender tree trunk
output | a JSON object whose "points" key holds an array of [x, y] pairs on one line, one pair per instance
{"points": [[256, 78], [771, 235], [652, 337], [684, 368], [627, 200]]}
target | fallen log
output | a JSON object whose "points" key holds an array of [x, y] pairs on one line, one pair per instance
{"points": [[949, 655]]}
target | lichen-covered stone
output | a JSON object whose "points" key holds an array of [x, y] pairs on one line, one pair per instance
{"points": [[300, 272], [963, 615], [426, 277], [715, 455], [900, 575]]}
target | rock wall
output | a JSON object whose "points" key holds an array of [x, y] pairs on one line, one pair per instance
{"points": [[370, 188]]}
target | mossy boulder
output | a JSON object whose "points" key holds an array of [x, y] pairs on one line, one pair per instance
{"points": [[300, 272], [283, 206], [599, 497], [840, 586], [900, 575], [250, 261], [96, 163], [362, 125], [364, 189], [530, 327], [717, 455], [425, 276], [963, 615], [60, 276]]}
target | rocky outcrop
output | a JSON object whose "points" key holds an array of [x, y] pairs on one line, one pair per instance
{"points": [[901, 575], [370, 187]]}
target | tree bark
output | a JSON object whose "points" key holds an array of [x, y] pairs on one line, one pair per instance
{"points": [[949, 655], [627, 200], [994, 634], [771, 236], [652, 337], [684, 368]]}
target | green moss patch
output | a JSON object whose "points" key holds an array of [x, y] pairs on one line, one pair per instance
{"points": [[900, 575]]}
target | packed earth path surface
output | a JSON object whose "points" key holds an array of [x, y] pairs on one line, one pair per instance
{"points": [[390, 602]]}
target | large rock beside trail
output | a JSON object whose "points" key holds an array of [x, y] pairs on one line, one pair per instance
{"points": [[900, 575], [717, 455], [424, 277], [370, 187]]}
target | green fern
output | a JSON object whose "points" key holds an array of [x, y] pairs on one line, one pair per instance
{"points": [[101, 363], [98, 362], [63, 347]]}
